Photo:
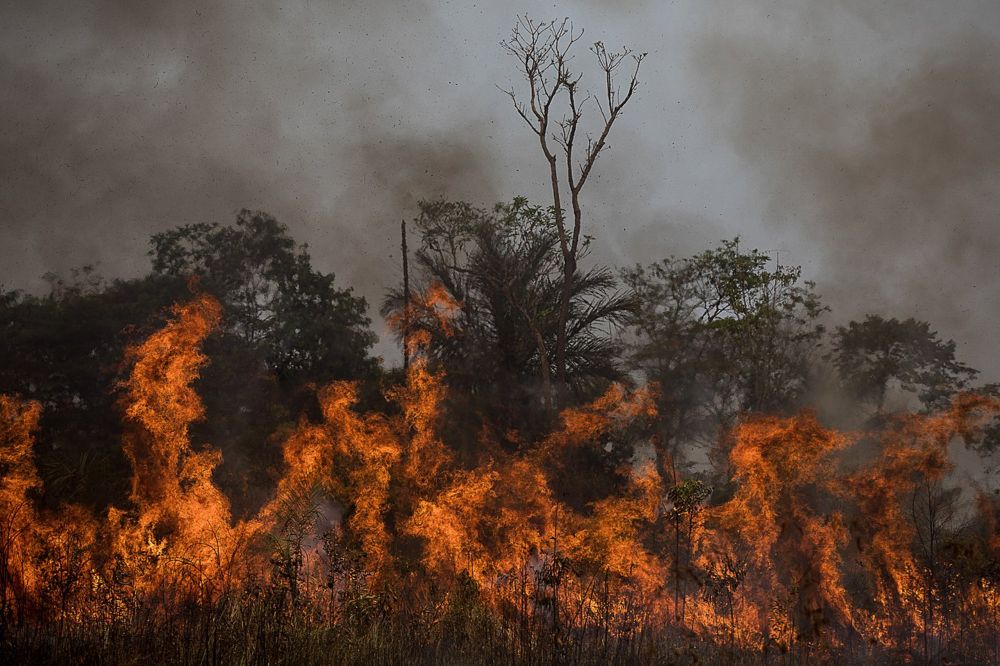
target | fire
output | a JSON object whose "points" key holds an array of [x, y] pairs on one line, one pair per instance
{"points": [[18, 579], [183, 520], [770, 541], [803, 551], [914, 455]]}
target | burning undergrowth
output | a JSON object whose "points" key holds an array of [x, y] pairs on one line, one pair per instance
{"points": [[377, 520]]}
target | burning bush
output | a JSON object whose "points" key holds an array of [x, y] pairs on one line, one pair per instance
{"points": [[377, 523]]}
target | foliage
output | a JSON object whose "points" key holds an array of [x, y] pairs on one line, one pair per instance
{"points": [[388, 538], [871, 354], [64, 349], [544, 56], [721, 333], [274, 299], [503, 270], [288, 326]]}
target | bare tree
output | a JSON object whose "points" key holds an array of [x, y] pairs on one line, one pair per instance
{"points": [[554, 110]]}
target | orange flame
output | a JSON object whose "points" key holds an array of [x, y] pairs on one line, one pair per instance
{"points": [[772, 563]]}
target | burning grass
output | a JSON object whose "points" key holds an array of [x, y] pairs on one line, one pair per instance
{"points": [[380, 545]]}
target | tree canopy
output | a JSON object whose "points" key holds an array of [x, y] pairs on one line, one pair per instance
{"points": [[722, 332], [871, 354], [274, 298], [288, 328], [503, 270]]}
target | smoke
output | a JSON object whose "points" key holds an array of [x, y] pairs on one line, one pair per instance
{"points": [[864, 135], [885, 161], [392, 172], [126, 118], [120, 122]]}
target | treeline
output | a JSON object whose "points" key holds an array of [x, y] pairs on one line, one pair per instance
{"points": [[287, 330], [724, 334]]}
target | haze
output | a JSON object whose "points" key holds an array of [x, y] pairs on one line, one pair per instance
{"points": [[858, 139]]}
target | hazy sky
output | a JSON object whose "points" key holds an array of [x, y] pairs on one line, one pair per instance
{"points": [[860, 139]]}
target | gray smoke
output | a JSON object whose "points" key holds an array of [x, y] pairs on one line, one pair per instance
{"points": [[860, 139], [886, 162], [125, 118]]}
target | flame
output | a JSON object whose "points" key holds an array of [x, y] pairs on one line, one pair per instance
{"points": [[19, 579], [771, 531], [914, 452], [801, 552], [183, 524], [434, 309]]}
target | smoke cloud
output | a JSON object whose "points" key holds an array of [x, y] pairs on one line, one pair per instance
{"points": [[887, 164], [125, 118], [859, 139]]}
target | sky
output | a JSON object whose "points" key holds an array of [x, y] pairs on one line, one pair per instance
{"points": [[858, 139]]}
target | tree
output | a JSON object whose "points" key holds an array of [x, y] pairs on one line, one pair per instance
{"points": [[870, 354], [543, 52], [274, 299], [721, 333], [934, 512], [503, 270], [288, 328], [686, 502], [65, 350]]}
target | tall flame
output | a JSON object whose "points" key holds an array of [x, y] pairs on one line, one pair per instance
{"points": [[797, 552]]}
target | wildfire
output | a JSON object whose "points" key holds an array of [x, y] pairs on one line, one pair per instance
{"points": [[787, 558]]}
